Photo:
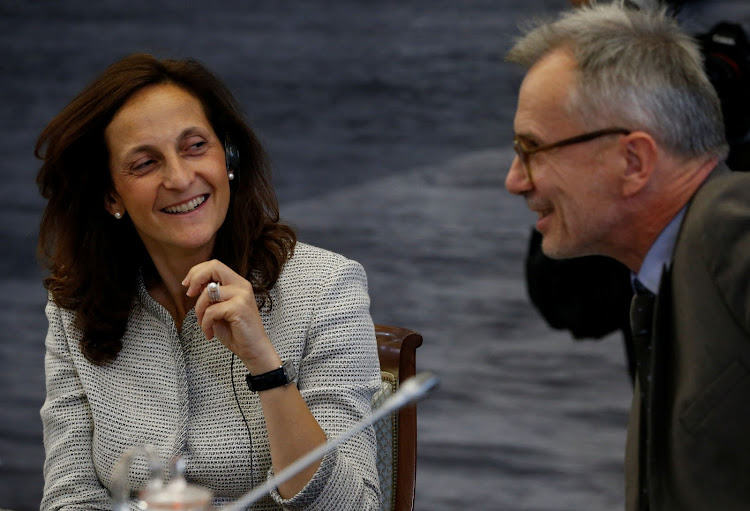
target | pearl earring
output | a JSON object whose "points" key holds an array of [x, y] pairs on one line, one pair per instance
{"points": [[118, 215], [230, 175]]}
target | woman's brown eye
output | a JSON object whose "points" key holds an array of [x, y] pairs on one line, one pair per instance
{"points": [[143, 165]]}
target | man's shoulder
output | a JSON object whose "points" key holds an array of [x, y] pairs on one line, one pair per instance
{"points": [[719, 213], [724, 193], [723, 181]]}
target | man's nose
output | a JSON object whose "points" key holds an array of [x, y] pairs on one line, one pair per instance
{"points": [[517, 181]]}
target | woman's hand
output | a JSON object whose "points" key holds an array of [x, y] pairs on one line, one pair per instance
{"points": [[234, 320]]}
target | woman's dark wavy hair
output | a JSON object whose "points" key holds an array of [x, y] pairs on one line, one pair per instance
{"points": [[93, 259]]}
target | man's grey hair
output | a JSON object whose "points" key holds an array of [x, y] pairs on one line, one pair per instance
{"points": [[637, 69]]}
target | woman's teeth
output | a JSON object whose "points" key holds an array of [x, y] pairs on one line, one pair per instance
{"points": [[188, 206]]}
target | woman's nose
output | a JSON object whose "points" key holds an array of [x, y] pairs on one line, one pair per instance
{"points": [[177, 173]]}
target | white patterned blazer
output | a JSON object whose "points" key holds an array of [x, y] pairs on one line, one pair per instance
{"points": [[174, 390]]}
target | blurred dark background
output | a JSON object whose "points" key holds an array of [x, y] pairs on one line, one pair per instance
{"points": [[389, 125]]}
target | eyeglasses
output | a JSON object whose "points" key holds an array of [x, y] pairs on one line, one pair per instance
{"points": [[524, 153]]}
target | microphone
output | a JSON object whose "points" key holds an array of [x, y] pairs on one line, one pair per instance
{"points": [[410, 390]]}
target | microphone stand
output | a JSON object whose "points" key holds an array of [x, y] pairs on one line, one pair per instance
{"points": [[410, 390]]}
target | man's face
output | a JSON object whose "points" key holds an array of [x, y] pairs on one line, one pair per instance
{"points": [[573, 189]]}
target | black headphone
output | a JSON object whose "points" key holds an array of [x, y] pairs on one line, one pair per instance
{"points": [[232, 157]]}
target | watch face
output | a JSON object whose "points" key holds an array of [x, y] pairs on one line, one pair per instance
{"points": [[289, 371]]}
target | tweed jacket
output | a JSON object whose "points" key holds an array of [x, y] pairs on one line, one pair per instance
{"points": [[698, 419], [176, 391]]}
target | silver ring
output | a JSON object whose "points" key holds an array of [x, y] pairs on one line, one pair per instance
{"points": [[214, 295]]}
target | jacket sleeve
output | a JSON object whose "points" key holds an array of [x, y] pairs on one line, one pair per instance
{"points": [[339, 373], [70, 480]]}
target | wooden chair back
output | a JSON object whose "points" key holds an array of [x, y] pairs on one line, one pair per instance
{"points": [[397, 435]]}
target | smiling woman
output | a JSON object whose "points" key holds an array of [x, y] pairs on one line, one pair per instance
{"points": [[169, 174], [158, 193]]}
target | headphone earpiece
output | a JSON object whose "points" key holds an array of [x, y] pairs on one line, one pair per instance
{"points": [[232, 157]]}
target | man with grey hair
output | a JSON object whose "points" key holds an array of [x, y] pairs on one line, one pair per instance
{"points": [[619, 140]]}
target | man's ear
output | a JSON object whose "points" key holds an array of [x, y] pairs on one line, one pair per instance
{"points": [[641, 153], [113, 204]]}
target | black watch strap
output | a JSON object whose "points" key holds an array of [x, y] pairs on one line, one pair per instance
{"points": [[280, 377]]}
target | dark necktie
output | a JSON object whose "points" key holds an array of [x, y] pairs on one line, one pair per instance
{"points": [[641, 320]]}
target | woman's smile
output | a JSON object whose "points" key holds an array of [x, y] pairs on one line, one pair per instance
{"points": [[186, 207]]}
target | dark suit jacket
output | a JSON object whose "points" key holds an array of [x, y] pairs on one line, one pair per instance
{"points": [[698, 420]]}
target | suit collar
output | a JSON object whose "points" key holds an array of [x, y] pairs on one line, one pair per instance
{"points": [[659, 256]]}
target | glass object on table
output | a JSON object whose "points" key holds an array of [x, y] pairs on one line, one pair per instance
{"points": [[176, 495]]}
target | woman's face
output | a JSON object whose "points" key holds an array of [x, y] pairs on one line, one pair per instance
{"points": [[168, 171]]}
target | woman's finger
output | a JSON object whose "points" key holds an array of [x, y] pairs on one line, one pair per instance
{"points": [[206, 272], [240, 295], [213, 322], [209, 297]]}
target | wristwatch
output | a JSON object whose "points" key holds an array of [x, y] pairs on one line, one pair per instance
{"points": [[280, 377]]}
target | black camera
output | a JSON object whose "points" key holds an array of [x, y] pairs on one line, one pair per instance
{"points": [[726, 55]]}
